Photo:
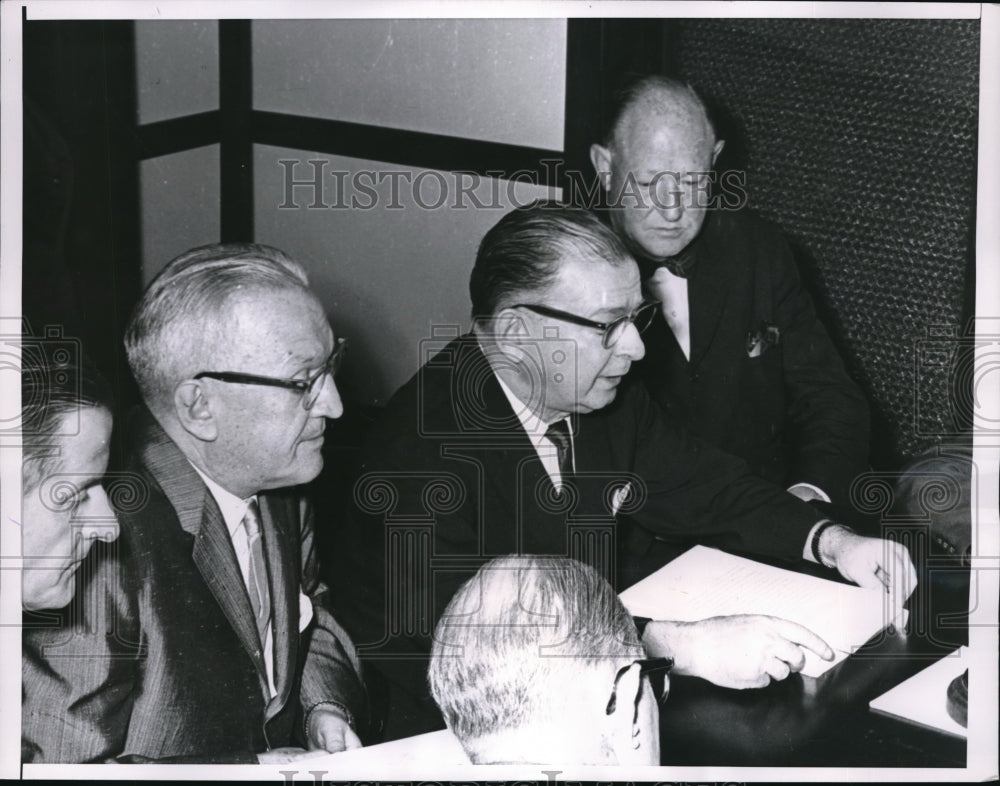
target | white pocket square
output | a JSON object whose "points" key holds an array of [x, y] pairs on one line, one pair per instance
{"points": [[305, 611]]}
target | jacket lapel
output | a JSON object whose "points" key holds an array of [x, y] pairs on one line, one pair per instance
{"points": [[200, 517], [708, 289], [531, 518]]}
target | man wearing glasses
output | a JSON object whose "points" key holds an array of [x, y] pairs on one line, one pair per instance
{"points": [[536, 661], [241, 660], [526, 436]]}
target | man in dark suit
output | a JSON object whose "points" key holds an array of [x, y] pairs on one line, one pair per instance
{"points": [[526, 436], [736, 353], [238, 658]]}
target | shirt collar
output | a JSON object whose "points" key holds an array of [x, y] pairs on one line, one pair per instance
{"points": [[533, 425], [233, 508]]}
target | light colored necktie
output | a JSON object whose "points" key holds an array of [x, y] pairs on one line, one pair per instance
{"points": [[670, 294], [260, 596]]}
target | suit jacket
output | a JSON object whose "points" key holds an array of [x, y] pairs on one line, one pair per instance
{"points": [[194, 688], [791, 411], [450, 479]]}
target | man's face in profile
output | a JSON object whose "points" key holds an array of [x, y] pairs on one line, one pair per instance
{"points": [[266, 436], [588, 379], [67, 512]]}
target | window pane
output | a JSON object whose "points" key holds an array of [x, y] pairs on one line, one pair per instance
{"points": [[177, 68], [500, 80], [389, 262], [180, 205]]}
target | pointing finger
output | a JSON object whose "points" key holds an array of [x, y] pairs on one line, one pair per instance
{"points": [[804, 637]]}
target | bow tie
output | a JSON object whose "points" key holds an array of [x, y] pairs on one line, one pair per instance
{"points": [[680, 264]]}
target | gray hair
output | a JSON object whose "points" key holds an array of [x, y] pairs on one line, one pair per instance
{"points": [[521, 253], [512, 637], [180, 313], [52, 388]]}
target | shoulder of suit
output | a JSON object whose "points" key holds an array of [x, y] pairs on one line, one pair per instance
{"points": [[427, 404]]}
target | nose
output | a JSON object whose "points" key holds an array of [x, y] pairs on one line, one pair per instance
{"points": [[328, 405], [630, 344], [98, 521], [672, 210], [670, 200]]}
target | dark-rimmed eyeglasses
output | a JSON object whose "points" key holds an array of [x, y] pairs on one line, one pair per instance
{"points": [[653, 669], [309, 388], [612, 331]]}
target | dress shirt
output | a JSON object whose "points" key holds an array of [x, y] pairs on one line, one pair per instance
{"points": [[535, 428], [233, 510]]}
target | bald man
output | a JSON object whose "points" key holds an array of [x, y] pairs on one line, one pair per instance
{"points": [[737, 353]]}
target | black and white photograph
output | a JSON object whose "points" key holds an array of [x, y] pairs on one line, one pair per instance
{"points": [[539, 391]]}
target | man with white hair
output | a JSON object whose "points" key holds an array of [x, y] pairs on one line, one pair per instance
{"points": [[536, 661], [242, 661]]}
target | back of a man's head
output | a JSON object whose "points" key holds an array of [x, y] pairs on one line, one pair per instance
{"points": [[523, 654], [182, 319], [522, 252]]}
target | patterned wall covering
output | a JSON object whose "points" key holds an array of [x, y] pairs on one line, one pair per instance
{"points": [[859, 138]]}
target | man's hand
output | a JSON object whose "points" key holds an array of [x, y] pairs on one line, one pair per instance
{"points": [[329, 731], [741, 651], [870, 562], [285, 755]]}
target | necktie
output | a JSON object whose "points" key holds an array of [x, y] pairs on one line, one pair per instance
{"points": [[672, 295], [260, 596], [680, 264], [558, 434]]}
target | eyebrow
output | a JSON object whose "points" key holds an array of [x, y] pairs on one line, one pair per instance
{"points": [[609, 312], [313, 359]]}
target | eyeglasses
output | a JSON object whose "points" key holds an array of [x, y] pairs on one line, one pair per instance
{"points": [[653, 669], [309, 388], [642, 317]]}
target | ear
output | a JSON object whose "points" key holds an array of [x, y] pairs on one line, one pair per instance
{"points": [[717, 149], [509, 330], [623, 732], [600, 157], [194, 411]]}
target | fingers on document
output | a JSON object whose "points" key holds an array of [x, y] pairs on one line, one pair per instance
{"points": [[906, 570], [789, 653], [897, 574], [777, 668], [351, 740], [804, 637]]}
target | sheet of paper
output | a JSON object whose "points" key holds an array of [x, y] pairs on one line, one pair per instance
{"points": [[923, 698], [705, 582]]}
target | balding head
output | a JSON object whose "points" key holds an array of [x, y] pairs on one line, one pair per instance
{"points": [[660, 148], [524, 659], [664, 103]]}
